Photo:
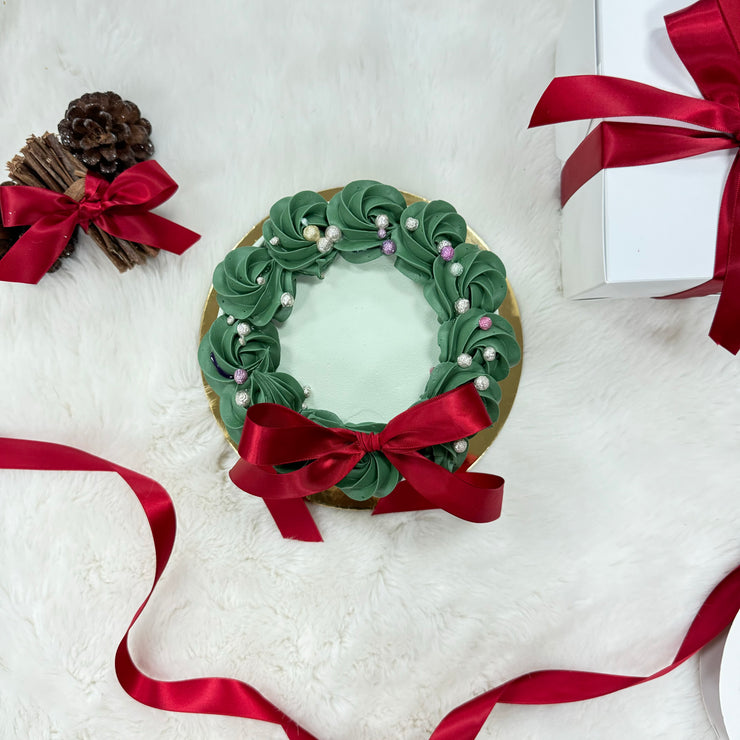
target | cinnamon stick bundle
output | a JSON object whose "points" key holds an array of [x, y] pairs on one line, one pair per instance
{"points": [[45, 163]]}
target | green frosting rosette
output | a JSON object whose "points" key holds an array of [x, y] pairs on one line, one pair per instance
{"points": [[283, 234], [494, 351], [262, 387], [224, 349], [448, 375], [480, 277], [250, 285], [417, 249], [373, 476], [354, 210]]}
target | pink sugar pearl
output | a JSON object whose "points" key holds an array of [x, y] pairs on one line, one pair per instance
{"points": [[240, 376], [389, 246], [447, 253], [485, 323]]}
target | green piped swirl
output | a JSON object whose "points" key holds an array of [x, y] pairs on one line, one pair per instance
{"points": [[417, 249], [482, 281], [354, 210], [241, 295], [288, 219]]}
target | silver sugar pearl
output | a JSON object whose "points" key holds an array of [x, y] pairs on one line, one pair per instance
{"points": [[241, 398], [230, 320], [382, 221], [324, 245], [456, 269], [444, 243], [304, 406], [304, 221], [464, 360], [489, 354], [460, 446], [333, 232], [261, 280], [311, 233], [242, 341], [275, 241], [412, 224], [462, 305], [306, 390], [286, 300], [242, 329], [482, 382]]}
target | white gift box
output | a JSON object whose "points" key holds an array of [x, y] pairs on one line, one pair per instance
{"points": [[635, 231]]}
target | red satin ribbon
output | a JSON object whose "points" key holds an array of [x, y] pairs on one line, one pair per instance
{"points": [[120, 208], [706, 38], [275, 435], [226, 696]]}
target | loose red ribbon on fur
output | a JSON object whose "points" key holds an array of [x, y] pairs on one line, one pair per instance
{"points": [[120, 208], [227, 696], [706, 36], [275, 435]]}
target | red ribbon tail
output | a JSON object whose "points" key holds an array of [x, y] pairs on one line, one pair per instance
{"points": [[404, 497], [148, 228], [293, 519], [35, 252]]}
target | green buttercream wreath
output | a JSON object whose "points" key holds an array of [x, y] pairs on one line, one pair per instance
{"points": [[256, 288]]}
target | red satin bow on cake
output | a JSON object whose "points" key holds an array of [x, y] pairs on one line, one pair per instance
{"points": [[275, 435], [706, 37], [120, 208]]}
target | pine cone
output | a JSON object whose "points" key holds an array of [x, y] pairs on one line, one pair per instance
{"points": [[9, 235], [106, 133]]}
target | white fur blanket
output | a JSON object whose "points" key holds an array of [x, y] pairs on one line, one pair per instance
{"points": [[621, 454]]}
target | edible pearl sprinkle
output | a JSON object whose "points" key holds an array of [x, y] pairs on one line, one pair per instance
{"points": [[456, 269], [311, 233], [242, 329], [242, 341], [230, 320], [447, 253], [324, 245], [489, 354], [274, 241], [412, 224], [382, 221], [389, 247], [304, 221], [240, 376], [382, 233], [485, 323], [260, 280], [306, 390], [462, 305], [464, 360], [286, 300], [482, 383], [241, 398], [333, 232], [444, 243], [304, 406], [460, 446]]}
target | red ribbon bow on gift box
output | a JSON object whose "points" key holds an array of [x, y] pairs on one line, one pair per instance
{"points": [[706, 37], [275, 435], [120, 208]]}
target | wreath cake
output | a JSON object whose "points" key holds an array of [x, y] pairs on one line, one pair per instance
{"points": [[257, 288]]}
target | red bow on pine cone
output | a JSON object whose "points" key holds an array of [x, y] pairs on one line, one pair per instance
{"points": [[120, 208]]}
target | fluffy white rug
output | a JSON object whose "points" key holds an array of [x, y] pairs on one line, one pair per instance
{"points": [[620, 455]]}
